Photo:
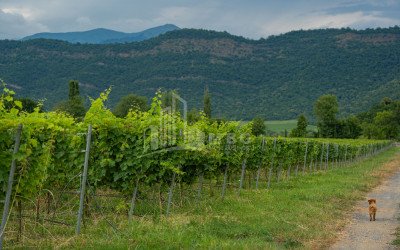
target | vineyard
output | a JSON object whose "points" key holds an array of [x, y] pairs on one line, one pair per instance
{"points": [[149, 152]]}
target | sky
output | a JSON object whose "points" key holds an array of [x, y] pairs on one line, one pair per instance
{"points": [[248, 18]]}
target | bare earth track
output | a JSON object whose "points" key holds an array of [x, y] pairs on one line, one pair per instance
{"points": [[364, 234]]}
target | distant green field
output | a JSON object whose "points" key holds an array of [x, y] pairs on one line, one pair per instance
{"points": [[280, 126]]}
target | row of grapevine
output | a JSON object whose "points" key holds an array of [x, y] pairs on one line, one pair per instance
{"points": [[149, 146]]}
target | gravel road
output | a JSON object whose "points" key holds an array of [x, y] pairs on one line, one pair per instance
{"points": [[364, 234]]}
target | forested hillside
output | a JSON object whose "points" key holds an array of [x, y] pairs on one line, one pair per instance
{"points": [[278, 78]]}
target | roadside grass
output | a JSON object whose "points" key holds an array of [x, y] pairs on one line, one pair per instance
{"points": [[396, 241], [304, 212]]}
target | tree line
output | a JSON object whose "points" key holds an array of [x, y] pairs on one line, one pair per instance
{"points": [[382, 121]]}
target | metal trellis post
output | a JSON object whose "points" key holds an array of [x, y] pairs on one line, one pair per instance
{"points": [[242, 177], [305, 158], [133, 200], [9, 186], [259, 168], [170, 193], [84, 177], [272, 164]]}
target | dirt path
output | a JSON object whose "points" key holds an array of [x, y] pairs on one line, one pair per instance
{"points": [[364, 234]]}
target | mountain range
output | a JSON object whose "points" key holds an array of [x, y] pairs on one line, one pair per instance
{"points": [[104, 36], [278, 77]]}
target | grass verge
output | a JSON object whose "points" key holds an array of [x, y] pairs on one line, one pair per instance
{"points": [[305, 212], [396, 242]]}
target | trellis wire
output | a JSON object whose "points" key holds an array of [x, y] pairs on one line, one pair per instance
{"points": [[371, 150]]}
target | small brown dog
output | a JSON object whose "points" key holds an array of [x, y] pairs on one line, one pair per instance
{"points": [[372, 208]]}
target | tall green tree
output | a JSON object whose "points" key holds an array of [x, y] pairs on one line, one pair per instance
{"points": [[167, 99], [301, 129], [382, 121], [326, 108], [75, 101], [73, 90], [207, 104], [130, 102], [353, 127], [193, 116], [370, 130], [75, 105], [397, 113], [258, 127], [388, 127], [386, 101]]}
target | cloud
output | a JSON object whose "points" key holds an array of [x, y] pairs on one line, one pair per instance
{"points": [[353, 17], [25, 13], [83, 20], [16, 22], [252, 18], [192, 17]]}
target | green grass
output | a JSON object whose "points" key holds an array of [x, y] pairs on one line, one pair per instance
{"points": [[304, 212], [396, 241], [280, 126]]}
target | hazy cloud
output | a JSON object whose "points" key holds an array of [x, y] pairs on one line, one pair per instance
{"points": [[252, 18], [14, 23]]}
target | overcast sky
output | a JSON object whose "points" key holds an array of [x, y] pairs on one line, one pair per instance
{"points": [[248, 18]]}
